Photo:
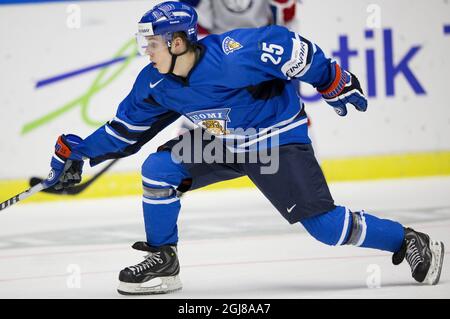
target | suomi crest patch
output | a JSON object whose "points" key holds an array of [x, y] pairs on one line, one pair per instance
{"points": [[230, 45]]}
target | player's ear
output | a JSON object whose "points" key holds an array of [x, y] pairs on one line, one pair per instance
{"points": [[178, 44]]}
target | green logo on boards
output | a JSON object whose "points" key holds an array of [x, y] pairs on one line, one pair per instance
{"points": [[102, 80]]}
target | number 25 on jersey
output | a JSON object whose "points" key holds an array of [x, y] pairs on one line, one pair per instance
{"points": [[272, 52]]}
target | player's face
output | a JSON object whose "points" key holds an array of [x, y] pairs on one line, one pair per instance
{"points": [[155, 47]]}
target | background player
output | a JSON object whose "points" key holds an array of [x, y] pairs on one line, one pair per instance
{"points": [[219, 16]]}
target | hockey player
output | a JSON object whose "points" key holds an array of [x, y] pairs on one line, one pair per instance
{"points": [[240, 79], [219, 16]]}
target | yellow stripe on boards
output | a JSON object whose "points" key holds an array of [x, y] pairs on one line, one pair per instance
{"points": [[336, 170], [387, 167]]}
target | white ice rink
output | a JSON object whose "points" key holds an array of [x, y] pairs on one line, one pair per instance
{"points": [[233, 245]]}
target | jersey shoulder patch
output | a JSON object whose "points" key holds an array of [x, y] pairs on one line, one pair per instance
{"points": [[229, 45], [299, 58]]}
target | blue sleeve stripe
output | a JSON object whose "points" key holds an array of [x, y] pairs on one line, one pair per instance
{"points": [[111, 132], [132, 127], [123, 131]]}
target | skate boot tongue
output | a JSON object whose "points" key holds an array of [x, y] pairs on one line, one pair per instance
{"points": [[143, 246]]}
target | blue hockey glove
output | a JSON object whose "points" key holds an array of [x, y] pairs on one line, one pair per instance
{"points": [[344, 90], [65, 172]]}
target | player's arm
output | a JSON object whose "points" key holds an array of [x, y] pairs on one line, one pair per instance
{"points": [[114, 140], [338, 87], [136, 122], [287, 55]]}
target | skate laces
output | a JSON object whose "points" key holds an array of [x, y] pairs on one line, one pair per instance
{"points": [[152, 259], [412, 255]]}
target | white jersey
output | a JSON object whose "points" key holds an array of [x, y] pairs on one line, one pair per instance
{"points": [[219, 16]]}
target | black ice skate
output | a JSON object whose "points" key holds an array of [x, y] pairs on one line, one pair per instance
{"points": [[157, 274], [423, 255]]}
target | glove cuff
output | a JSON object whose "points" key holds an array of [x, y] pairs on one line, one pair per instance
{"points": [[338, 85], [65, 147], [62, 148]]}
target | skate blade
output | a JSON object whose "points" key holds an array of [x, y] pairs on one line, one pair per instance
{"points": [[437, 260], [157, 286]]}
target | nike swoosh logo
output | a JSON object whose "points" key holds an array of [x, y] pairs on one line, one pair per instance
{"points": [[289, 210], [152, 86]]}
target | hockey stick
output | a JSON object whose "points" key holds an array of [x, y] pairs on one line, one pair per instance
{"points": [[75, 190], [14, 200]]}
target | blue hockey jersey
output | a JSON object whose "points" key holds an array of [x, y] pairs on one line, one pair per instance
{"points": [[244, 87]]}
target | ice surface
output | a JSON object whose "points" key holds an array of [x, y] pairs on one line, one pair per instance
{"points": [[233, 245]]}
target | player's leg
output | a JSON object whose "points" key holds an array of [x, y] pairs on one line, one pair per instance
{"points": [[159, 272], [164, 180], [305, 198], [340, 227], [361, 229]]}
